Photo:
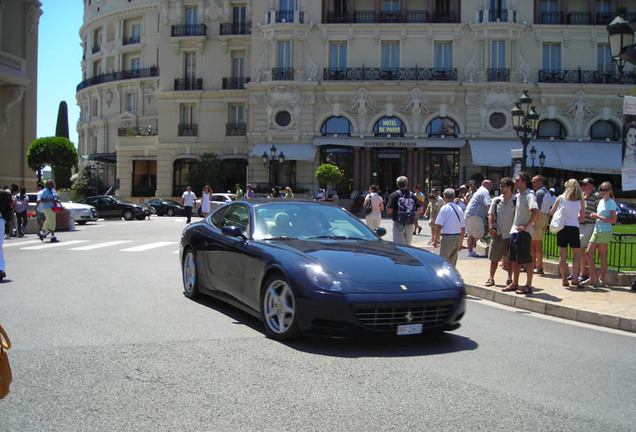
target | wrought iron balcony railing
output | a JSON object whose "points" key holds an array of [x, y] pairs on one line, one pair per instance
{"points": [[96, 49], [579, 18], [394, 74], [117, 76], [138, 131], [188, 129], [235, 129], [235, 83], [238, 28], [283, 73], [181, 84], [180, 30], [495, 15], [369, 16], [579, 76], [285, 16], [498, 74], [131, 40], [555, 17]]}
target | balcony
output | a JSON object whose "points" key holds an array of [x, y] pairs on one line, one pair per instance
{"points": [[496, 15], [369, 16], [551, 17], [118, 76], [188, 129], [182, 30], [579, 76], [283, 74], [235, 83], [445, 17], [498, 74], [96, 49], [579, 18], [392, 74], [138, 131], [181, 84], [235, 129], [286, 16], [131, 40], [239, 28]]}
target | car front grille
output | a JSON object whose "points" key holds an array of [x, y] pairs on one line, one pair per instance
{"points": [[389, 316]]}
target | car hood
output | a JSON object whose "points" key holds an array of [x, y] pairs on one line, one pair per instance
{"points": [[76, 206], [370, 262]]}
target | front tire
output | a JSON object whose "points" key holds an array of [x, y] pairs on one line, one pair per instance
{"points": [[170, 212], [190, 275], [128, 215], [278, 309]]}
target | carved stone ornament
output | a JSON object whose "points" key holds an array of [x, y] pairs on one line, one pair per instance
{"points": [[283, 96], [579, 111], [33, 18], [312, 69], [10, 96], [361, 103]]}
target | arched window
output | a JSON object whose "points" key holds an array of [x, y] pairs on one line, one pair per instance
{"points": [[442, 126], [336, 126], [551, 129], [603, 130], [389, 127]]}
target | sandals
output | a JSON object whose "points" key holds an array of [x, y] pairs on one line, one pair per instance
{"points": [[510, 287], [565, 283], [490, 282], [508, 281], [526, 289]]}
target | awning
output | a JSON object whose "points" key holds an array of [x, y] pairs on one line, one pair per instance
{"points": [[103, 157], [593, 157], [380, 142], [297, 152]]}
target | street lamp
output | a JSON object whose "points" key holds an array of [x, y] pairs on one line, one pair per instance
{"points": [[533, 155], [621, 43], [525, 122], [273, 162]]}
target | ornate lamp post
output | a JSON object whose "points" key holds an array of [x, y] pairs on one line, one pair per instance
{"points": [[621, 42], [541, 161], [273, 162], [525, 122]]}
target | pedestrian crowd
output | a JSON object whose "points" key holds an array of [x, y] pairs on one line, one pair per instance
{"points": [[515, 220]]}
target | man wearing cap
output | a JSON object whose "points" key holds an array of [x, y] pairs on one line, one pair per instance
{"points": [[586, 227], [544, 202], [553, 195]]}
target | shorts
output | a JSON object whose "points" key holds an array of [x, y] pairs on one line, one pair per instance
{"points": [[520, 248], [569, 236], [499, 247], [585, 233], [601, 237], [539, 227], [475, 226], [432, 220]]}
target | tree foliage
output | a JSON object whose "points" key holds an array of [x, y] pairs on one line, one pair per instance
{"points": [[327, 174], [87, 184], [206, 172], [62, 175], [58, 152]]}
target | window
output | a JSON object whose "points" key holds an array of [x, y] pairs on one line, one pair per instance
{"points": [[284, 54], [336, 126], [135, 63], [283, 118], [238, 14], [97, 68], [498, 54], [237, 216], [235, 115], [390, 10], [604, 130], [131, 102], [180, 173], [338, 55], [94, 105], [443, 55], [550, 129], [191, 16], [135, 31], [390, 55], [238, 64], [550, 13], [97, 40], [187, 114], [551, 56], [603, 11], [604, 61], [389, 127], [286, 5], [442, 127]]}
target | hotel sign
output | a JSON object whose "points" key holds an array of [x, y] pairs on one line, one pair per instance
{"points": [[386, 142]]}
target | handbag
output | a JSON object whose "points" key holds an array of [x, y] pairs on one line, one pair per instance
{"points": [[5, 369], [368, 208], [558, 220], [57, 206]]}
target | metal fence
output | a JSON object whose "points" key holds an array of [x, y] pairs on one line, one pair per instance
{"points": [[621, 251]]}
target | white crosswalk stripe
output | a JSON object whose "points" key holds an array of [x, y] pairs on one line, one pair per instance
{"points": [[48, 245], [21, 243], [148, 246], [101, 245]]}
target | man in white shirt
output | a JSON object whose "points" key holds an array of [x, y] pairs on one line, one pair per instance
{"points": [[451, 224], [187, 200]]}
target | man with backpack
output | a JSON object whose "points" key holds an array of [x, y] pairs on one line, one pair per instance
{"points": [[403, 207]]}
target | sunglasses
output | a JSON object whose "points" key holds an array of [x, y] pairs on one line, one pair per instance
{"points": [[604, 190]]}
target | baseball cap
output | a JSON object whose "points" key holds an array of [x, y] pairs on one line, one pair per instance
{"points": [[588, 180], [552, 190]]}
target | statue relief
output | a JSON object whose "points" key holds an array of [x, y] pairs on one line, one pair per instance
{"points": [[578, 111], [362, 104]]}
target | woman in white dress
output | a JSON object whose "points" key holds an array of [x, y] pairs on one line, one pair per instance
{"points": [[206, 196]]}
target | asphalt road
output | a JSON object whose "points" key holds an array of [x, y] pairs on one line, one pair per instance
{"points": [[104, 340]]}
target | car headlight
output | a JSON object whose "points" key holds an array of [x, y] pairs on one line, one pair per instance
{"points": [[449, 273], [322, 279]]}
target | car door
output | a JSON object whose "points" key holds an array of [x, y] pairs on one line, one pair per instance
{"points": [[225, 256]]}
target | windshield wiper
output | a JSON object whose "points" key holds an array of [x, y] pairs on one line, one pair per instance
{"points": [[333, 237], [280, 238]]}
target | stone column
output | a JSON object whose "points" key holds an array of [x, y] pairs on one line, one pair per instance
{"points": [[409, 167], [356, 169]]}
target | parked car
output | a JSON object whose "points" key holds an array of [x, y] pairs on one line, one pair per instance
{"points": [[81, 213], [217, 200], [626, 213], [165, 207], [304, 266], [109, 206]]}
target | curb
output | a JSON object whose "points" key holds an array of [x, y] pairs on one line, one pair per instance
{"points": [[546, 308]]}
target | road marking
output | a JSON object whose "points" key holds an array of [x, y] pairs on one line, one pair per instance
{"points": [[48, 245], [101, 245], [147, 246], [21, 243]]}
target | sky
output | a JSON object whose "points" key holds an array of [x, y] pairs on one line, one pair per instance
{"points": [[59, 64]]}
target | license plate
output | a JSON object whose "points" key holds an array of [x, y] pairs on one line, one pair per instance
{"points": [[409, 329]]}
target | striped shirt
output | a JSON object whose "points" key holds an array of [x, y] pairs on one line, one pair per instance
{"points": [[591, 202]]}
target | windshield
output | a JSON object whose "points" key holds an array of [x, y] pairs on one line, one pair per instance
{"points": [[306, 221], [167, 201], [122, 200]]}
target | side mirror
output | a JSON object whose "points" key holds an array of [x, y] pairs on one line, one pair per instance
{"points": [[233, 231], [380, 231]]}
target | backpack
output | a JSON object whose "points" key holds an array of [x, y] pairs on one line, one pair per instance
{"points": [[406, 208]]}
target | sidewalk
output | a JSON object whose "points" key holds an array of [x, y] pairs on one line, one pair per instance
{"points": [[611, 306]]}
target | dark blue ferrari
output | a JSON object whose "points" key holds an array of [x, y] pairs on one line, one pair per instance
{"points": [[308, 267]]}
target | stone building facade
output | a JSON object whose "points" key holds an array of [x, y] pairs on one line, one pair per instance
{"points": [[19, 21], [380, 88]]}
